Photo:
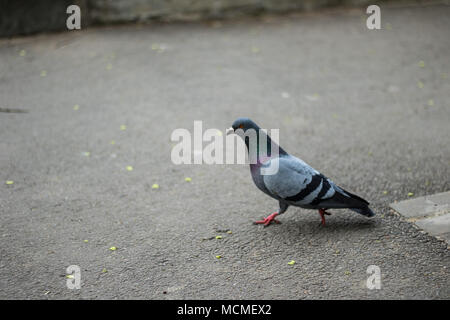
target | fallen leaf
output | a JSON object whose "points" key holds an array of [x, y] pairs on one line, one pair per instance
{"points": [[313, 97], [123, 127], [218, 237], [421, 63], [218, 257], [155, 186], [255, 50], [113, 248], [187, 179], [410, 194], [9, 182], [22, 53], [129, 168], [291, 263]]}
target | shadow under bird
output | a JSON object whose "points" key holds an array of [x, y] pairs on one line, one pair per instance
{"points": [[295, 183]]}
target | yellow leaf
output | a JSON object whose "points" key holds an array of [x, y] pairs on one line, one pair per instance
{"points": [[410, 194], [155, 186], [113, 142], [421, 63], [187, 179], [129, 168], [85, 241], [104, 270], [229, 232], [291, 263], [113, 248], [123, 127], [9, 182], [218, 257], [218, 237]]}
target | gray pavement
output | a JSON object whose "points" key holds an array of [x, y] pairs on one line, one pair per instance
{"points": [[370, 109]]}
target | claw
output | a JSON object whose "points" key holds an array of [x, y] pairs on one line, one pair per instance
{"points": [[322, 213], [267, 221]]}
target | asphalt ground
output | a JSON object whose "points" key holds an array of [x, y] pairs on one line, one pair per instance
{"points": [[368, 108]]}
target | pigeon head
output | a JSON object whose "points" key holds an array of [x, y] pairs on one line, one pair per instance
{"points": [[244, 124]]}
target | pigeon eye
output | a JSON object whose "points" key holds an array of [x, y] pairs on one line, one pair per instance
{"points": [[241, 126]]}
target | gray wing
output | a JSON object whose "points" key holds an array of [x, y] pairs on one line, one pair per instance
{"points": [[298, 183]]}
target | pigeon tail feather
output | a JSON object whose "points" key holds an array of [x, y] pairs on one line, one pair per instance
{"points": [[366, 211]]}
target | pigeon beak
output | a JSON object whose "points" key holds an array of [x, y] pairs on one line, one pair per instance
{"points": [[229, 131]]}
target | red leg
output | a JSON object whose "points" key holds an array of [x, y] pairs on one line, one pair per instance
{"points": [[268, 220], [322, 213]]}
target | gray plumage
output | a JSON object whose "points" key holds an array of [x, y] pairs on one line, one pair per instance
{"points": [[298, 184]]}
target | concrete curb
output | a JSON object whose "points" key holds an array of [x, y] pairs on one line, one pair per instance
{"points": [[429, 213]]}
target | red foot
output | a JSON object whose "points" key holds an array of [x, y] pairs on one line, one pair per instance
{"points": [[268, 220], [322, 213]]}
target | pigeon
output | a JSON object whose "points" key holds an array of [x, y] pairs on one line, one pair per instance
{"points": [[295, 183]]}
